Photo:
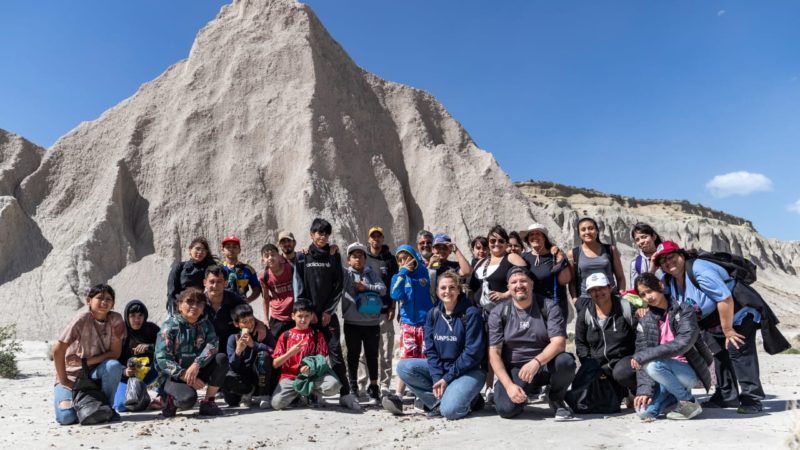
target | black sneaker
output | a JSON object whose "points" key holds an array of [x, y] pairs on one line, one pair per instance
{"points": [[562, 410], [717, 402], [208, 407], [749, 409], [393, 404], [168, 408], [374, 393], [434, 413], [478, 403]]}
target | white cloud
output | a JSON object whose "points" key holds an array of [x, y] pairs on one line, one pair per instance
{"points": [[738, 183], [720, 13], [794, 207]]}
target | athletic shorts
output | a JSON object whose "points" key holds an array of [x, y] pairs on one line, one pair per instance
{"points": [[412, 341]]}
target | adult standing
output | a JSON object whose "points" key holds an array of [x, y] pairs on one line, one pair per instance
{"points": [[189, 273], [548, 266], [527, 350], [592, 256], [730, 328], [287, 244], [425, 245], [382, 261], [646, 240]]}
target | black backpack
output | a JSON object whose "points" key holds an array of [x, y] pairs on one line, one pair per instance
{"points": [[90, 403], [739, 268]]}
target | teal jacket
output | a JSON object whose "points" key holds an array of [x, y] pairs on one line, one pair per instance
{"points": [[180, 344], [317, 368]]}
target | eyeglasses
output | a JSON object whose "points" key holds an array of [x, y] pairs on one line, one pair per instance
{"points": [[500, 241]]}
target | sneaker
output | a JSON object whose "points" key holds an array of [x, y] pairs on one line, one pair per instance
{"points": [[477, 403], [315, 401], [718, 402], [350, 402], [685, 410], [749, 409], [409, 395], [265, 402], [562, 410], [629, 400], [374, 394], [418, 405], [393, 404], [208, 407], [168, 408], [490, 396], [247, 400], [434, 413]]}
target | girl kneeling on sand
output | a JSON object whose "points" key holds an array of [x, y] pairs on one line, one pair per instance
{"points": [[670, 355], [187, 357], [95, 335]]}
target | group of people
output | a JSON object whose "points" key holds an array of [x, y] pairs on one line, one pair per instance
{"points": [[490, 330]]}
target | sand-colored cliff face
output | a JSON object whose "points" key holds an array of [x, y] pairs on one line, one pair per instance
{"points": [[688, 224], [267, 124]]}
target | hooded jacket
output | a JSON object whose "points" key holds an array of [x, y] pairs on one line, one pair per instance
{"points": [[147, 334], [185, 274], [180, 344], [385, 265], [607, 343], [455, 344], [687, 342], [350, 297], [319, 279], [412, 290]]}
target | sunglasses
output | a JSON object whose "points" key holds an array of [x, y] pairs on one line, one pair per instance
{"points": [[500, 241], [197, 303]]}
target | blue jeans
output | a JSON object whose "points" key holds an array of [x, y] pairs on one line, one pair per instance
{"points": [[458, 395], [675, 382], [109, 373]]}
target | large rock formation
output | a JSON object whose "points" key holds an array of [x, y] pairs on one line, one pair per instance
{"points": [[690, 225], [267, 124]]}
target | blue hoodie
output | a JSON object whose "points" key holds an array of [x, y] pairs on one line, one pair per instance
{"points": [[413, 290], [456, 344]]}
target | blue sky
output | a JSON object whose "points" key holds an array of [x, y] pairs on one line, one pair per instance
{"points": [[648, 99]]}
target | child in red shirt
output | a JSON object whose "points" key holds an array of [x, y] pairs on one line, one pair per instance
{"points": [[294, 345]]}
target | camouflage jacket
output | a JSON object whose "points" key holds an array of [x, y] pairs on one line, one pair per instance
{"points": [[180, 344]]}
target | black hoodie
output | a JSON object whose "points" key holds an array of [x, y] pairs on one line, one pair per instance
{"points": [[318, 278], [147, 334], [386, 265], [607, 343]]}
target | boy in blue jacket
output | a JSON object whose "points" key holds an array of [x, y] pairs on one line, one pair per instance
{"points": [[411, 287], [450, 380], [249, 379]]}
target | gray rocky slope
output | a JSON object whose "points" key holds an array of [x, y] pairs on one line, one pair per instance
{"points": [[267, 124], [688, 224]]}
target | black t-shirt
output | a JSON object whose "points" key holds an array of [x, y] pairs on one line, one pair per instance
{"points": [[544, 279], [221, 319]]}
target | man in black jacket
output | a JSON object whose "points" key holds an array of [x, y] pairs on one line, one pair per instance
{"points": [[319, 280]]}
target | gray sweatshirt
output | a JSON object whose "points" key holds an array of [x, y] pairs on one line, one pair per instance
{"points": [[373, 283]]}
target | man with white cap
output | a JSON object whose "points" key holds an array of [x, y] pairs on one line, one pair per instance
{"points": [[605, 339], [286, 242], [547, 263]]}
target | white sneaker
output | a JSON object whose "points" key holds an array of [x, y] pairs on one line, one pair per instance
{"points": [[490, 396], [264, 402], [247, 400], [349, 402]]}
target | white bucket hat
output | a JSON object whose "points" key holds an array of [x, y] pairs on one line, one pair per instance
{"points": [[531, 228]]}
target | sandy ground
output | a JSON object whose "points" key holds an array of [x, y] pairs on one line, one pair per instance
{"points": [[26, 418]]}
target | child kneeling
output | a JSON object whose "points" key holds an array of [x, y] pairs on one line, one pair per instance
{"points": [[300, 353], [248, 380], [188, 359]]}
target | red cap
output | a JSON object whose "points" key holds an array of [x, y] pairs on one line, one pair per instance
{"points": [[666, 248], [232, 238]]}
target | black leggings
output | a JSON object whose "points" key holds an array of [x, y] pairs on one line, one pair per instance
{"points": [[354, 337], [333, 337], [213, 374]]}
